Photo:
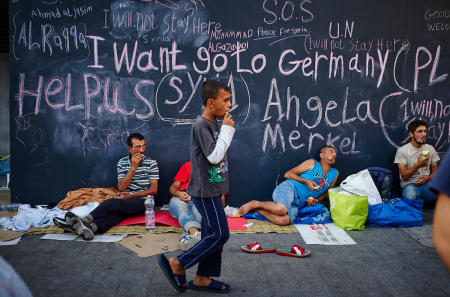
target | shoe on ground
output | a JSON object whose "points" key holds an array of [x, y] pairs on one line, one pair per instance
{"points": [[188, 241], [79, 226], [61, 223]]}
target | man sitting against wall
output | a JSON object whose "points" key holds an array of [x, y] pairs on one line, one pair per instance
{"points": [[417, 163], [182, 208], [137, 177], [305, 185]]}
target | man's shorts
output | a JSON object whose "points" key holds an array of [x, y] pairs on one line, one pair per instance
{"points": [[286, 194]]}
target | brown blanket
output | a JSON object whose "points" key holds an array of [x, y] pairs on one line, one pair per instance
{"points": [[85, 195]]}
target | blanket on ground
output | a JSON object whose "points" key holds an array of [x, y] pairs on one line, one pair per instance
{"points": [[40, 216], [164, 217], [83, 196]]}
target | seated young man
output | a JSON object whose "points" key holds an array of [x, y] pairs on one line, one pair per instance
{"points": [[137, 177], [417, 163], [305, 185], [182, 208]]}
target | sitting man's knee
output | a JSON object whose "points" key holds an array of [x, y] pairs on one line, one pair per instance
{"points": [[283, 221], [109, 202], [177, 205], [280, 209], [409, 192]]}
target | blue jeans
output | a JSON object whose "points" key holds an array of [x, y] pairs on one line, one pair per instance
{"points": [[186, 213], [413, 192], [286, 194]]}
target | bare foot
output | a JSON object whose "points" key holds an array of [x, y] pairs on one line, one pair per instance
{"points": [[248, 207], [175, 265]]}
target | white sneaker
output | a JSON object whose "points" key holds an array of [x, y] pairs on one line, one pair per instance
{"points": [[188, 241]]}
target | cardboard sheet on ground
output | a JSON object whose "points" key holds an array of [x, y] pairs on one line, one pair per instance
{"points": [[151, 244], [325, 234], [165, 218], [10, 242], [97, 238], [6, 235]]}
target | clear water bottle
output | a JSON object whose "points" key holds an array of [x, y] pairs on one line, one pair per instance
{"points": [[149, 214]]}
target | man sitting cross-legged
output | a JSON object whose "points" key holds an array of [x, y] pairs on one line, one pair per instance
{"points": [[137, 178], [305, 185]]}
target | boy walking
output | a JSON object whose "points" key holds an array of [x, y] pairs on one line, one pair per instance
{"points": [[209, 180]]}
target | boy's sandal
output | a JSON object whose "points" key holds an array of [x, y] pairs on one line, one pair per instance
{"points": [[213, 287], [295, 251], [176, 280], [256, 248]]}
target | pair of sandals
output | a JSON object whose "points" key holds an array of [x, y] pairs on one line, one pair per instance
{"points": [[295, 251], [178, 281]]}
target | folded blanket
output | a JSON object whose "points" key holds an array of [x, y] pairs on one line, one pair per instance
{"points": [[83, 196]]}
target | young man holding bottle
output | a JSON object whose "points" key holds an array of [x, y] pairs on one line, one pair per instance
{"points": [[137, 177]]}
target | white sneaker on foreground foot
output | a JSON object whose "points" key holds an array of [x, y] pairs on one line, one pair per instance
{"points": [[188, 241]]}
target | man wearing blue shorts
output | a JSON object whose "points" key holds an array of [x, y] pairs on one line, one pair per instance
{"points": [[304, 185]]}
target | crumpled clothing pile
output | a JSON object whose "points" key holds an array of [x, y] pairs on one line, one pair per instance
{"points": [[85, 195], [40, 216]]}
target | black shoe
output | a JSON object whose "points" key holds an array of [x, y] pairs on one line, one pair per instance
{"points": [[61, 223], [79, 226]]}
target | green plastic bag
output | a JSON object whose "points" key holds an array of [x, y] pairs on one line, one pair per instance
{"points": [[348, 211]]}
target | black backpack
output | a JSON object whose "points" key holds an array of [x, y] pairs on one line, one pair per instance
{"points": [[383, 179]]}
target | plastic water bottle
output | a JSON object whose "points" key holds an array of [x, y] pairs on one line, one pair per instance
{"points": [[149, 214]]}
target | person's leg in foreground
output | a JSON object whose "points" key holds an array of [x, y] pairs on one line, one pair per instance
{"points": [[207, 252]]}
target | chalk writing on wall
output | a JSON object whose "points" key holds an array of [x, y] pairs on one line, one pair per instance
{"points": [[86, 75]]}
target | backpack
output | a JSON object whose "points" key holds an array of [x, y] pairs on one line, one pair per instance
{"points": [[383, 179]]}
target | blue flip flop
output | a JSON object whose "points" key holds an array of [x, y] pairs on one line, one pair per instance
{"points": [[176, 280], [213, 287]]}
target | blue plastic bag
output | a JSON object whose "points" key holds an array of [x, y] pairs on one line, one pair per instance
{"points": [[316, 214], [399, 212]]}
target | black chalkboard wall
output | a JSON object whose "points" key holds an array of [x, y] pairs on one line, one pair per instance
{"points": [[303, 73]]}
